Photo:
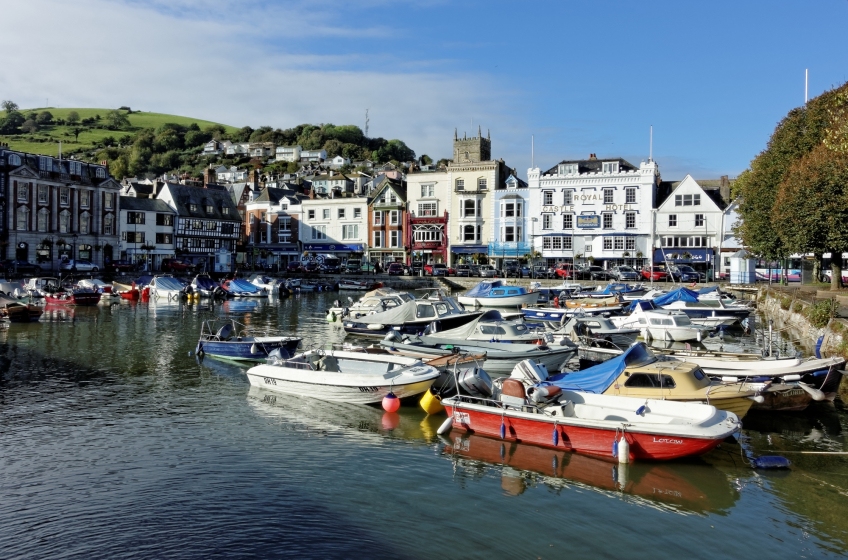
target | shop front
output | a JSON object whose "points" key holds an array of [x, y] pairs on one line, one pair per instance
{"points": [[699, 258], [341, 250], [428, 240], [469, 254]]}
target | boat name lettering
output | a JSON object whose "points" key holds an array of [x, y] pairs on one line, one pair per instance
{"points": [[461, 417], [368, 389], [269, 381], [667, 492], [668, 440]]}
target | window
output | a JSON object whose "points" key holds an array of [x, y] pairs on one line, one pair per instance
{"points": [[76, 168], [192, 207], [164, 238], [547, 220], [341, 213], [470, 208], [325, 213], [428, 190], [211, 226], [481, 184], [100, 173], [43, 219], [228, 229], [64, 221], [394, 217], [378, 218], [64, 196], [42, 194], [133, 236], [512, 234], [607, 220], [630, 195], [630, 220], [14, 159], [546, 243], [650, 381], [310, 214], [672, 220], [608, 196], [618, 243], [427, 208], [427, 235], [23, 192], [225, 210], [378, 239], [319, 232], [470, 233], [109, 200], [568, 197], [610, 167], [45, 164], [350, 231], [394, 238], [568, 221], [357, 213], [460, 184], [164, 219], [511, 209], [85, 198], [392, 197], [699, 220], [568, 169], [630, 243], [547, 198], [85, 223], [209, 209], [135, 217], [687, 200], [607, 243], [109, 224]]}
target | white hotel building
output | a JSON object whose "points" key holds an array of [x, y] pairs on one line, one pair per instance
{"points": [[593, 210]]}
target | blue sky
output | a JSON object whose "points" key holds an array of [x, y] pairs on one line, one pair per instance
{"points": [[712, 78]]}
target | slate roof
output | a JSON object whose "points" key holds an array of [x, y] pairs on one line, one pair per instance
{"points": [[398, 186], [184, 196], [135, 204], [593, 165], [711, 187]]}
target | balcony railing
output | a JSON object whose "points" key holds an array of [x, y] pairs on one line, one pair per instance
{"points": [[512, 248]]}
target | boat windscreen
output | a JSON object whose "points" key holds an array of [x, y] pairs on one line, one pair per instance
{"points": [[639, 355]]}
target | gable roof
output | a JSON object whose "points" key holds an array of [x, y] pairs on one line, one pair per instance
{"points": [[385, 183], [184, 196], [593, 165], [135, 204]]}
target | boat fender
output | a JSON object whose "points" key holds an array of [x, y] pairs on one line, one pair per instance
{"points": [[254, 349], [555, 437], [446, 426], [503, 428], [817, 394], [641, 410], [623, 450], [770, 462], [759, 399]]}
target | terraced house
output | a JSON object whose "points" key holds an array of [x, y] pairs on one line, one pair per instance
{"points": [[387, 222], [53, 209]]}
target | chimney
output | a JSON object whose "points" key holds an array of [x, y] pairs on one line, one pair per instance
{"points": [[724, 189], [592, 157]]}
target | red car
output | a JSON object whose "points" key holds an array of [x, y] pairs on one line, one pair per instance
{"points": [[564, 271], [658, 273], [176, 265], [121, 266]]}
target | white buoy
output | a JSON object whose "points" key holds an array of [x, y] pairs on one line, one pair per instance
{"points": [[446, 426], [623, 450], [622, 475], [817, 394]]}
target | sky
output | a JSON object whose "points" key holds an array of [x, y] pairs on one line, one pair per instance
{"points": [[548, 80]]}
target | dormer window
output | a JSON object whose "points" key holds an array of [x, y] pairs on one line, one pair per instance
{"points": [[225, 210], [209, 209], [568, 169], [100, 173], [610, 167], [192, 207], [14, 159]]}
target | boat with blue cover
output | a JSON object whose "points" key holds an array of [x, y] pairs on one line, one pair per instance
{"points": [[231, 340], [497, 293], [243, 288]]}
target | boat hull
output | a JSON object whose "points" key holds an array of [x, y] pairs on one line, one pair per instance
{"points": [[353, 394], [246, 350], [506, 301], [580, 439], [74, 299], [413, 328]]}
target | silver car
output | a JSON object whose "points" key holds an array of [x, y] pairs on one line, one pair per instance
{"points": [[80, 265], [488, 271], [623, 273]]}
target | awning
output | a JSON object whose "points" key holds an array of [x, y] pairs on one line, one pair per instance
{"points": [[469, 249], [684, 255], [333, 247]]}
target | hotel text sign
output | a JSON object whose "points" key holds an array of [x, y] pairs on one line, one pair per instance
{"points": [[589, 221]]}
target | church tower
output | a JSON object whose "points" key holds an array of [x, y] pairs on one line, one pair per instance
{"points": [[472, 150]]}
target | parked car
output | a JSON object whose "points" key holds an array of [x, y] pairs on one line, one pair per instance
{"points": [[395, 269], [624, 273], [564, 271], [592, 272], [176, 265], [463, 270], [526, 271], [488, 271], [120, 266], [311, 267], [79, 265], [353, 266], [368, 267], [15, 266], [511, 268], [657, 273], [436, 269], [294, 266], [330, 266], [475, 270], [684, 273], [542, 271]]}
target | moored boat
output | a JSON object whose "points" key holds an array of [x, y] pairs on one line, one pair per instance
{"points": [[126, 291], [231, 340], [412, 317], [497, 293]]}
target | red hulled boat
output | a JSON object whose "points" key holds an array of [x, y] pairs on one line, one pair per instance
{"points": [[72, 297]]}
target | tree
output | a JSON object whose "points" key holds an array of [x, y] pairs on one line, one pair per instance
{"points": [[76, 132], [12, 123], [9, 106], [116, 120], [790, 197], [424, 159], [44, 117], [72, 118], [30, 126]]}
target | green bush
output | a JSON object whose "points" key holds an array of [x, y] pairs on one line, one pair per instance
{"points": [[785, 302], [819, 313], [798, 307]]}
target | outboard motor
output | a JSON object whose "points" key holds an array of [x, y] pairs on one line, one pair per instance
{"points": [[475, 382], [275, 356], [529, 371], [393, 336]]}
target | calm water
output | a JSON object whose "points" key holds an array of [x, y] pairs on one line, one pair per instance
{"points": [[115, 443]]}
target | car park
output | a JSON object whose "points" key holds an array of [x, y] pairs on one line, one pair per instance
{"points": [[436, 269], [655, 273], [684, 273], [624, 273], [79, 265], [542, 271]]}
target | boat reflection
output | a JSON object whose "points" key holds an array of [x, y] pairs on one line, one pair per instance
{"points": [[365, 423], [240, 305], [682, 487]]}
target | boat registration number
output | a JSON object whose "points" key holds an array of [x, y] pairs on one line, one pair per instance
{"points": [[368, 389], [461, 418], [269, 381]]}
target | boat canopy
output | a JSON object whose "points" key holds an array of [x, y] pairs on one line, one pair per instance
{"points": [[168, 284], [464, 331], [238, 285], [679, 294], [204, 282], [597, 379], [618, 288], [707, 290], [415, 310], [484, 288]]}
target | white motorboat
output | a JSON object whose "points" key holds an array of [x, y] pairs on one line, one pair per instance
{"points": [[662, 324], [497, 293], [375, 301], [166, 287], [598, 328], [271, 285], [344, 376]]}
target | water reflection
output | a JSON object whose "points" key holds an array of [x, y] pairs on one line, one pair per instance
{"points": [[682, 487]]}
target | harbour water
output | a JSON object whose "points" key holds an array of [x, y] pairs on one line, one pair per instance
{"points": [[115, 442]]}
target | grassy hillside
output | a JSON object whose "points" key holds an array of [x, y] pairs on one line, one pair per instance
{"points": [[46, 140]]}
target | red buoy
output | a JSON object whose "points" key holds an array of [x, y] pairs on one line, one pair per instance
{"points": [[391, 403]]}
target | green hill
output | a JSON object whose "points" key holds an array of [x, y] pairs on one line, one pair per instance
{"points": [[46, 139]]}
